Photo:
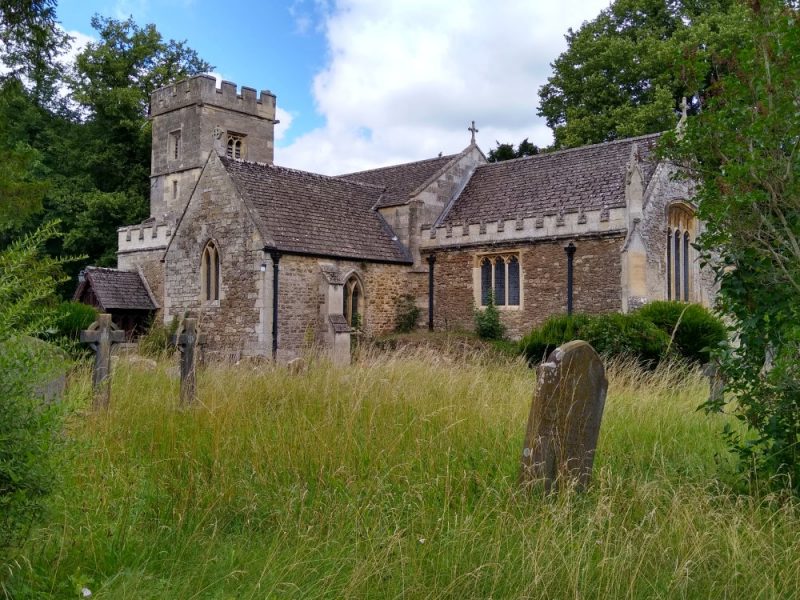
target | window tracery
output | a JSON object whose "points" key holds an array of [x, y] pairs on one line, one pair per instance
{"points": [[210, 273], [500, 278]]}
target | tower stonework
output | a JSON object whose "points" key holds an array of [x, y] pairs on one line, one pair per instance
{"points": [[192, 117]]}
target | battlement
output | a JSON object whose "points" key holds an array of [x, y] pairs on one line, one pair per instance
{"points": [[202, 89], [524, 228], [143, 237]]}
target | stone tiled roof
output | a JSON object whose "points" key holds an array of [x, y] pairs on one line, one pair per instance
{"points": [[306, 213], [587, 177], [399, 181], [115, 290]]}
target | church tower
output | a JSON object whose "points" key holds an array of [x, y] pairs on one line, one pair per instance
{"points": [[192, 118]]}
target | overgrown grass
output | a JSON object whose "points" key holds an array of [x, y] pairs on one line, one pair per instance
{"points": [[396, 479]]}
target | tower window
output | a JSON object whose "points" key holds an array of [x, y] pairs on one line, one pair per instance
{"points": [[175, 145], [235, 145], [174, 190]]}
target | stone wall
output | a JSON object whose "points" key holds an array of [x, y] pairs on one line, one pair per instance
{"points": [[596, 282], [239, 320], [300, 322]]}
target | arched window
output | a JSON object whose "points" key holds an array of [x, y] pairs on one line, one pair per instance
{"points": [[353, 302], [235, 146], [681, 228], [210, 272], [500, 277]]}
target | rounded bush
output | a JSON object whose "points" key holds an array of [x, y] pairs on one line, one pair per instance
{"points": [[539, 343], [632, 335], [698, 330]]}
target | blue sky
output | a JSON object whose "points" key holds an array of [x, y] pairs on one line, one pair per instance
{"points": [[362, 83]]}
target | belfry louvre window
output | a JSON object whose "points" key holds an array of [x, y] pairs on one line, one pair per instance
{"points": [[500, 279], [175, 144], [210, 273], [235, 146]]}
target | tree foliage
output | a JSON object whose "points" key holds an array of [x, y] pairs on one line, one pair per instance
{"points": [[744, 150], [86, 164], [508, 152], [620, 75]]}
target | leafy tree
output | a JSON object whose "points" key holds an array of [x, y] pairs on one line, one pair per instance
{"points": [[508, 152], [30, 42], [28, 429], [618, 76], [743, 149]]}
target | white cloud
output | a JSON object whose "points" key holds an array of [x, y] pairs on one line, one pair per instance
{"points": [[285, 118], [405, 78]]}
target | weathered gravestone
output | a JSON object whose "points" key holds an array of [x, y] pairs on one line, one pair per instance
{"points": [[188, 341], [716, 382], [101, 336], [565, 416]]}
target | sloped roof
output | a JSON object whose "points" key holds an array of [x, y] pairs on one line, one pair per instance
{"points": [[588, 177], [314, 214], [115, 289], [399, 181]]}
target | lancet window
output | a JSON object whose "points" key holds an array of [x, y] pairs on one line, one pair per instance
{"points": [[210, 273], [681, 230]]}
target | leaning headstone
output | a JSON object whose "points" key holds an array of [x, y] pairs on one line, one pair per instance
{"points": [[101, 336], [188, 342], [716, 382], [296, 366], [565, 416]]}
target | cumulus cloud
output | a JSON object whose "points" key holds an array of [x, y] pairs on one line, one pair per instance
{"points": [[405, 78]]}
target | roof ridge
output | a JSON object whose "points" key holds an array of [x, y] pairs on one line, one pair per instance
{"points": [[403, 164], [575, 149], [226, 159]]}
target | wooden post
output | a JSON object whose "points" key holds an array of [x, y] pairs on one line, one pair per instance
{"points": [[101, 336], [187, 342]]}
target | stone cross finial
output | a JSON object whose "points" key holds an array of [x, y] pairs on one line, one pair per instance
{"points": [[101, 336], [473, 130], [187, 342]]}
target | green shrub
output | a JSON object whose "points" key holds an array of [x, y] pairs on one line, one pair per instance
{"points": [[539, 343], [487, 322], [698, 331], [72, 318], [407, 314], [616, 334], [156, 342]]}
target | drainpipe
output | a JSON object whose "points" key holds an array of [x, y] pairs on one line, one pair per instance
{"points": [[570, 250], [431, 262], [276, 257]]}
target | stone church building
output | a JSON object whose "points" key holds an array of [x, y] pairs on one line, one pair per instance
{"points": [[273, 260]]}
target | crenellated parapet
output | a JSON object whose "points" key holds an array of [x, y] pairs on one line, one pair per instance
{"points": [[202, 89], [150, 235], [525, 228]]}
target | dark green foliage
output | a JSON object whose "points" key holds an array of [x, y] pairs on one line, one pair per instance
{"points": [[611, 334], [539, 343], [157, 342], [615, 334], [487, 322], [698, 331], [742, 150], [507, 151], [28, 429], [619, 75], [407, 314], [73, 317]]}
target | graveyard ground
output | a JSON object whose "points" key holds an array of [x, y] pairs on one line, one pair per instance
{"points": [[397, 478]]}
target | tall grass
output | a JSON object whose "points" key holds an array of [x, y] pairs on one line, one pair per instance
{"points": [[396, 478]]}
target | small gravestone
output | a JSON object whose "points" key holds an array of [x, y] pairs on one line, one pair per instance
{"points": [[101, 336], [716, 382], [188, 342], [564, 421], [296, 366]]}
